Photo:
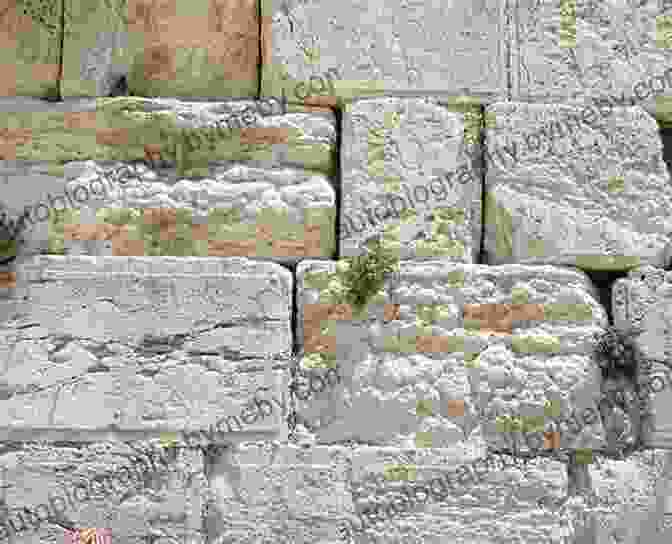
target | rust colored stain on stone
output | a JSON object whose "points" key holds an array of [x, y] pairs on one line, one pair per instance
{"points": [[7, 280], [552, 440], [391, 312], [45, 71], [499, 318], [159, 62], [434, 344], [314, 319], [112, 136], [228, 31], [80, 120], [456, 408], [10, 138], [270, 135], [321, 101]]}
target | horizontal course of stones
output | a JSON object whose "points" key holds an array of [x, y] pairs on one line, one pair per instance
{"points": [[250, 124]]}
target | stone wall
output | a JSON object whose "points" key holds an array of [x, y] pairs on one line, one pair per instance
{"points": [[309, 272]]}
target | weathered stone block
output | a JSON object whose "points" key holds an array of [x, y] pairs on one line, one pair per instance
{"points": [[448, 495], [137, 490], [429, 372], [643, 302], [146, 344], [430, 151], [187, 135], [378, 50], [562, 187], [204, 49], [630, 498], [600, 51], [279, 493], [283, 213], [30, 36]]}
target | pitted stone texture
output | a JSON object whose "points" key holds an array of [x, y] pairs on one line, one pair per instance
{"points": [[472, 497], [416, 162], [600, 201], [172, 132], [620, 53], [267, 492], [417, 376], [144, 343], [630, 498], [165, 48], [283, 214], [30, 35], [643, 302], [378, 50], [137, 490]]}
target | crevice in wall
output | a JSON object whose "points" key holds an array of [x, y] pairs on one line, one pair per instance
{"points": [[482, 257], [604, 281], [338, 112]]}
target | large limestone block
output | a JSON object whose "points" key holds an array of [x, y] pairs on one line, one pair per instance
{"points": [[460, 494], [443, 348], [279, 213], [630, 499], [194, 48], [416, 161], [569, 185], [643, 302], [30, 38], [572, 50], [138, 490], [284, 494], [145, 344], [379, 48], [186, 135]]}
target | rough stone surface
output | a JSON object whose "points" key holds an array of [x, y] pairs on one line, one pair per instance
{"points": [[572, 186], [179, 133], [427, 377], [143, 343], [280, 493], [277, 213], [377, 48], [204, 49], [410, 170], [631, 498], [137, 490], [643, 302], [620, 50], [497, 505], [30, 34]]}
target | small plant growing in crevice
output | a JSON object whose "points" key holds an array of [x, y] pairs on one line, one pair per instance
{"points": [[364, 275], [618, 354]]}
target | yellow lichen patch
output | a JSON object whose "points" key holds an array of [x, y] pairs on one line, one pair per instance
{"points": [[664, 31], [607, 262], [423, 440], [568, 24], [535, 344], [616, 184], [519, 295], [400, 472], [568, 312], [423, 408]]}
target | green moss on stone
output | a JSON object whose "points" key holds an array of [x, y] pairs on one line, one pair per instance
{"points": [[519, 295], [500, 221], [535, 344], [607, 262], [568, 312]]}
